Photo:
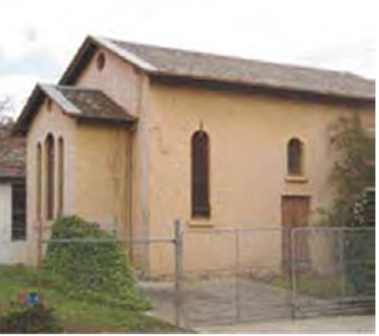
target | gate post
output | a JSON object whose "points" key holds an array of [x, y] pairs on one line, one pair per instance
{"points": [[293, 273], [39, 254], [178, 242]]}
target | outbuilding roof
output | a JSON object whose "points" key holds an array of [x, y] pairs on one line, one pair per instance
{"points": [[12, 154]]}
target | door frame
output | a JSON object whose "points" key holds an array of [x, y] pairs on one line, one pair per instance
{"points": [[303, 246]]}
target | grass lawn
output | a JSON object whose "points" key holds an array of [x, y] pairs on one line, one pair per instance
{"points": [[78, 316], [327, 287]]}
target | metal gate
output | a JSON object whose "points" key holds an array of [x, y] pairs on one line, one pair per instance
{"points": [[339, 276], [242, 274], [238, 277]]}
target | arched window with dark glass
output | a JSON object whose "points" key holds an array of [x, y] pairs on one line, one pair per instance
{"points": [[50, 156], [295, 157], [60, 175], [38, 180], [200, 175]]}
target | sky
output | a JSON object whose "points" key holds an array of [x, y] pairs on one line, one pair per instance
{"points": [[38, 38]]}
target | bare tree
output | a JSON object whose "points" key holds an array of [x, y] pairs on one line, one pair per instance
{"points": [[2, 109], [5, 108], [2, 105]]}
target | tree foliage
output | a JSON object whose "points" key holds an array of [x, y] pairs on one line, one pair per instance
{"points": [[352, 174], [353, 205]]}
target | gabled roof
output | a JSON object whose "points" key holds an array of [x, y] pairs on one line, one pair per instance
{"points": [[207, 67], [12, 154], [78, 102]]}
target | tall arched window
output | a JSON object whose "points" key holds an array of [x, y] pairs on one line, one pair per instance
{"points": [[49, 196], [200, 174], [60, 175], [38, 181], [295, 157]]}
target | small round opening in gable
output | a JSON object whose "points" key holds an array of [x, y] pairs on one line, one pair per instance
{"points": [[49, 104], [100, 61]]}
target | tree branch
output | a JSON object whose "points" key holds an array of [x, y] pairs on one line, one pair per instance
{"points": [[5, 106]]}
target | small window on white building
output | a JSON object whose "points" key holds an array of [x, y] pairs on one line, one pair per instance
{"points": [[18, 211]]}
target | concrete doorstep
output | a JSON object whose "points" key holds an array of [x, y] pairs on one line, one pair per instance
{"points": [[320, 325]]}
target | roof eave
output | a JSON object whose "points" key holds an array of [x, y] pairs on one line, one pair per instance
{"points": [[129, 123], [13, 178], [84, 53], [40, 92], [22, 123], [264, 86]]}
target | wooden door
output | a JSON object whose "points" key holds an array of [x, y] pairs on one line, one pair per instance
{"points": [[295, 214]]}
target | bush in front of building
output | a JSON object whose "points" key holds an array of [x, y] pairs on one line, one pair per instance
{"points": [[96, 270]]}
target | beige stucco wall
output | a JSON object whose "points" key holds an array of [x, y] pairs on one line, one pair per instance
{"points": [[130, 88], [49, 121], [96, 171], [54, 122], [248, 138], [106, 170], [120, 80], [102, 175]]}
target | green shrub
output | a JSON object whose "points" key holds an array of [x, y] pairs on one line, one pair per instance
{"points": [[29, 320], [360, 262], [95, 271]]}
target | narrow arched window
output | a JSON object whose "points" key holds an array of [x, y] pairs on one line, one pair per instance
{"points": [[50, 156], [38, 180], [295, 157], [18, 211], [200, 174], [60, 175]]}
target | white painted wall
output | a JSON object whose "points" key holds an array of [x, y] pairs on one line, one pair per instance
{"points": [[10, 252]]}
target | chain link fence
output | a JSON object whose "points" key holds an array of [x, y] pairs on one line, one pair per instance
{"points": [[69, 275], [267, 273], [235, 275], [236, 278], [333, 270]]}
